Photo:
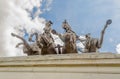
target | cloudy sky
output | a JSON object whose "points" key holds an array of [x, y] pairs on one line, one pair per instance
{"points": [[84, 16]]}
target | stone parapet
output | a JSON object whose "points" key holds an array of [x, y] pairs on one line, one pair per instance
{"points": [[67, 66]]}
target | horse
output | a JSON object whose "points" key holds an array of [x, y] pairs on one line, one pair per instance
{"points": [[69, 43], [69, 40], [45, 43], [93, 44], [29, 49]]}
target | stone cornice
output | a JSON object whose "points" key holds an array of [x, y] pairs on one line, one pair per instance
{"points": [[86, 59], [72, 66]]}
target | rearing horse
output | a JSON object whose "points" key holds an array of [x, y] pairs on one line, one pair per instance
{"points": [[29, 49], [69, 39], [93, 44], [69, 43], [45, 43]]}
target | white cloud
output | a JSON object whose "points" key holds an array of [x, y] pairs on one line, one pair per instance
{"points": [[47, 5], [15, 14], [57, 40], [80, 45], [118, 48], [49, 2]]}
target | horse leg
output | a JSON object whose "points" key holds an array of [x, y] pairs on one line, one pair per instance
{"points": [[51, 50]]}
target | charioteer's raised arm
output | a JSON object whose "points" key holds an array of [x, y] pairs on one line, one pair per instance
{"points": [[108, 22]]}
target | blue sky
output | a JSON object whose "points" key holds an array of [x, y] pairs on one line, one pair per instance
{"points": [[87, 16]]}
